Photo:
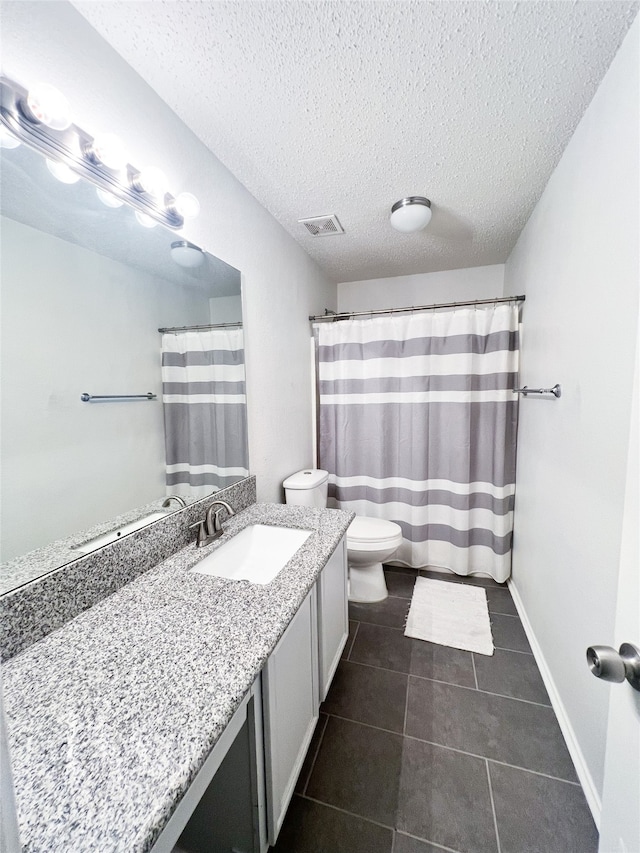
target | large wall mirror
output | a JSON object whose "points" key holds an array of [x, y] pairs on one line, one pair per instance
{"points": [[85, 289]]}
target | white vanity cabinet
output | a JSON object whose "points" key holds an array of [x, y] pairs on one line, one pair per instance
{"points": [[296, 679], [333, 615], [290, 708]]}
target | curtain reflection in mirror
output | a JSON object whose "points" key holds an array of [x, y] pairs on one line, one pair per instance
{"points": [[204, 396]]}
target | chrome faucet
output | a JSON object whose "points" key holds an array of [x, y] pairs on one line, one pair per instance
{"points": [[214, 525], [176, 498], [210, 527]]}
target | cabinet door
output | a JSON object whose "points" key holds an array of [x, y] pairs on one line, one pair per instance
{"points": [[290, 709], [333, 615]]}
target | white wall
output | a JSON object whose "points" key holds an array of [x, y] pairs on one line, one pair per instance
{"points": [[75, 321], [282, 285], [422, 289], [577, 262]]}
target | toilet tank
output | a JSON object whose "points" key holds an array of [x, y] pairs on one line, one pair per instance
{"points": [[307, 488]]}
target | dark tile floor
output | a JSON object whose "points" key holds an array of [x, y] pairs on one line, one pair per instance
{"points": [[422, 748]]}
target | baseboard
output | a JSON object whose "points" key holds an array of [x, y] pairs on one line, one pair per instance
{"points": [[584, 776]]}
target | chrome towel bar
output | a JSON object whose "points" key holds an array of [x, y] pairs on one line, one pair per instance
{"points": [[87, 398], [556, 391]]}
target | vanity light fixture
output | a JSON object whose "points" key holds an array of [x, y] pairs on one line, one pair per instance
{"points": [[411, 214], [151, 180], [62, 172], [108, 149], [44, 104], [109, 199], [7, 139], [40, 117], [145, 220], [186, 205]]}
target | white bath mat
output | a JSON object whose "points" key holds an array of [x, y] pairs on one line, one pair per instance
{"points": [[450, 614]]}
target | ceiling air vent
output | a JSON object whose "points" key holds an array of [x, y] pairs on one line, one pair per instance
{"points": [[322, 226]]}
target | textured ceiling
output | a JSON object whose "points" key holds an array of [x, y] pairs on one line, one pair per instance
{"points": [[345, 107]]}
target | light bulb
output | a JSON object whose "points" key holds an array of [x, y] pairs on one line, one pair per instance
{"points": [[7, 139], [145, 220], [186, 205], [108, 149], [108, 199], [151, 180], [46, 105], [62, 172]]}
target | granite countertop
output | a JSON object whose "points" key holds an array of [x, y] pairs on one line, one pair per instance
{"points": [[111, 717], [28, 566]]}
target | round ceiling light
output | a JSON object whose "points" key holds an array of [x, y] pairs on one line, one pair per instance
{"points": [[187, 255], [411, 213]]}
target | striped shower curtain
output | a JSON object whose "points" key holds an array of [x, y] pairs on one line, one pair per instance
{"points": [[417, 425], [205, 416]]}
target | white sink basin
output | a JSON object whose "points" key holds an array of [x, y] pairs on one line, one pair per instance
{"points": [[106, 538], [255, 554]]}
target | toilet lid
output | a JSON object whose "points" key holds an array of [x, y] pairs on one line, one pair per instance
{"points": [[363, 529]]}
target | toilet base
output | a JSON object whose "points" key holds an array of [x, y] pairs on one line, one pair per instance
{"points": [[367, 583]]}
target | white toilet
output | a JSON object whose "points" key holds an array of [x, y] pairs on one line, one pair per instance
{"points": [[370, 541]]}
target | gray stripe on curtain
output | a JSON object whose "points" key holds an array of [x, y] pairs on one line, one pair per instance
{"points": [[206, 433], [214, 481], [196, 358], [426, 497], [448, 345], [456, 441], [459, 538], [195, 388], [385, 384]]}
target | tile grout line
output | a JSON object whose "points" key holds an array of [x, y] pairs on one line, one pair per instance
{"points": [[515, 651], [353, 642], [404, 598], [406, 708], [313, 761], [428, 841], [455, 749], [452, 684], [396, 628], [367, 725], [394, 832], [475, 674], [493, 807], [344, 811], [493, 760]]}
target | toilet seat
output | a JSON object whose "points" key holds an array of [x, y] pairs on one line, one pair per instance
{"points": [[372, 534]]}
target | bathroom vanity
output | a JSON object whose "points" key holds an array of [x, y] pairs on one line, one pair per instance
{"points": [[138, 709]]}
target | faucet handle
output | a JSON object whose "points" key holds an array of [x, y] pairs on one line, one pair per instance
{"points": [[201, 538]]}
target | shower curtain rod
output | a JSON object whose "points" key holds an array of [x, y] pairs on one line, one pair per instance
{"points": [[199, 328], [347, 315]]}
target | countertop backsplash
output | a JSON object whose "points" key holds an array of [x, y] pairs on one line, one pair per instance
{"points": [[30, 612]]}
